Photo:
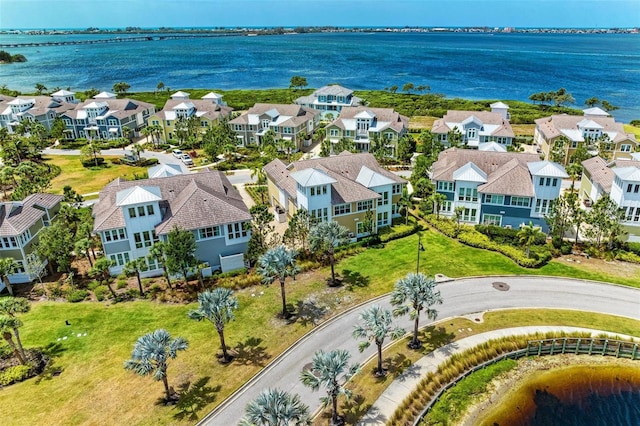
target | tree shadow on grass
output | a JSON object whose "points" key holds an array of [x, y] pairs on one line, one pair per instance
{"points": [[250, 352], [193, 398], [50, 353], [353, 279], [309, 312], [433, 338], [354, 409]]}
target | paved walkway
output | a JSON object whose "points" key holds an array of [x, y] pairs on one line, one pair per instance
{"points": [[384, 407], [461, 297]]}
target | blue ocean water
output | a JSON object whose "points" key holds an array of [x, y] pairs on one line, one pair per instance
{"points": [[467, 65]]}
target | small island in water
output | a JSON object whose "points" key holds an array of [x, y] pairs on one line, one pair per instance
{"points": [[7, 58]]}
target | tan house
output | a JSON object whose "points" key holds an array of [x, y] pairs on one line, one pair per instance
{"points": [[350, 189], [208, 111], [295, 123], [595, 124], [20, 224]]}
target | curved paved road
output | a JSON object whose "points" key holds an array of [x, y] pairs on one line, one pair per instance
{"points": [[461, 297]]}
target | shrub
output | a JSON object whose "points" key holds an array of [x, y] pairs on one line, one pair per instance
{"points": [[240, 281], [634, 248], [121, 284], [14, 374], [116, 161], [628, 257], [5, 351], [77, 296], [132, 293], [101, 292], [93, 285], [54, 290], [90, 162]]}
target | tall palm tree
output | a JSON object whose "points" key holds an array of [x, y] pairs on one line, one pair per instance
{"points": [[151, 353], [277, 264], [157, 252], [135, 267], [12, 306], [216, 306], [331, 371], [324, 237], [274, 407], [413, 294], [376, 325], [7, 326], [527, 236], [405, 203], [436, 200]]}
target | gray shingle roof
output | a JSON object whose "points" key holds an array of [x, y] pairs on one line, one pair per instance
{"points": [[17, 217], [192, 201], [556, 125]]}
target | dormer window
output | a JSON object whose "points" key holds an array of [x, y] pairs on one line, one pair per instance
{"points": [[318, 190], [472, 133]]}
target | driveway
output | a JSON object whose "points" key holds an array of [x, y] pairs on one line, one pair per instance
{"points": [[461, 297]]}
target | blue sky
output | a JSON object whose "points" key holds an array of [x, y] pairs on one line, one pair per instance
{"points": [[211, 13]]}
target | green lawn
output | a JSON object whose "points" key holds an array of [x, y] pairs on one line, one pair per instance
{"points": [[86, 180], [93, 388], [632, 129]]}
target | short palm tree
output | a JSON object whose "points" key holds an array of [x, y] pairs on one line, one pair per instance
{"points": [[216, 306], [413, 294], [324, 238], [274, 407], [277, 264], [7, 326], [7, 266], [376, 325], [331, 371], [527, 236], [11, 306], [151, 353]]}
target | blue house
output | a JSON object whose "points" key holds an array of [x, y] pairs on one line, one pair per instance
{"points": [[499, 188]]}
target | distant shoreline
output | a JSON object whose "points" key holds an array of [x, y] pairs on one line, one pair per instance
{"points": [[305, 29]]}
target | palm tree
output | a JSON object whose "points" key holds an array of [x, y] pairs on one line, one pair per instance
{"points": [[325, 237], [216, 306], [10, 307], [151, 353], [100, 270], [527, 236], [277, 264], [436, 200], [330, 370], [7, 266], [274, 407], [157, 253], [135, 267], [376, 326], [7, 325], [413, 294], [405, 203]]}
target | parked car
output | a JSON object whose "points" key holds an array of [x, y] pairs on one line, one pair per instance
{"points": [[187, 160], [177, 153]]}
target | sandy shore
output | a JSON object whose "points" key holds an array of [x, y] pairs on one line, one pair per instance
{"points": [[504, 386]]}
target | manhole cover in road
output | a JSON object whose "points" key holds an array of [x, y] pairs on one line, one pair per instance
{"points": [[501, 286]]}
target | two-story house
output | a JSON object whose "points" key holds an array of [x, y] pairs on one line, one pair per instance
{"points": [[40, 109], [330, 99], [595, 124], [131, 216], [105, 117], [289, 122], [208, 112], [362, 124], [621, 181], [476, 128], [499, 188], [20, 224], [351, 189]]}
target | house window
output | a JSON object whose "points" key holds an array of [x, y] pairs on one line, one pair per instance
{"points": [[521, 201], [492, 219], [543, 206], [383, 219], [204, 124], [320, 215], [472, 133], [9, 242], [168, 122], [388, 136], [625, 148], [115, 235], [469, 215], [141, 211], [150, 209], [333, 132], [236, 230], [19, 267], [445, 186], [446, 207], [340, 209], [396, 189], [633, 214], [132, 212], [155, 122], [209, 232], [384, 200], [144, 238], [494, 199], [574, 144], [120, 258], [467, 194], [364, 205]]}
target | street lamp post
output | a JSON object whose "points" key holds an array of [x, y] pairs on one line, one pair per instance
{"points": [[420, 248]]}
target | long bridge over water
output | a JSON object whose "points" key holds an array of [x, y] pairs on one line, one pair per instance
{"points": [[116, 40]]}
